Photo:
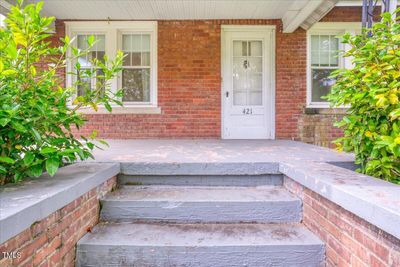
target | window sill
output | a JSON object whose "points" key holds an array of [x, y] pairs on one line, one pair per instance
{"points": [[311, 110], [122, 110]]}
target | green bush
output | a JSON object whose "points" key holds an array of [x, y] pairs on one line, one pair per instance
{"points": [[371, 90], [36, 121]]}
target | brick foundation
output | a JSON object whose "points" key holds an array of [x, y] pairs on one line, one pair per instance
{"points": [[315, 126], [51, 241], [350, 240]]}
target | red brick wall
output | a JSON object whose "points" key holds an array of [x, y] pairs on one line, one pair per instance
{"points": [[291, 63], [349, 240], [348, 14], [316, 126], [55, 40], [51, 241], [189, 85]]}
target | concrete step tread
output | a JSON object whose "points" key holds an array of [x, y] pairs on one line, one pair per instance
{"points": [[199, 235], [201, 194]]}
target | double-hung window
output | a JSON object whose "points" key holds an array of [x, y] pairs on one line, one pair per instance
{"points": [[324, 60], [138, 78], [135, 78], [324, 57], [86, 81]]}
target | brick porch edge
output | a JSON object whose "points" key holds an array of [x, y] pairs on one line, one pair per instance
{"points": [[42, 220], [349, 240], [357, 216]]}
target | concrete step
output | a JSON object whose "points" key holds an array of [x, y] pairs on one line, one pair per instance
{"points": [[202, 180], [205, 174], [270, 204], [198, 245], [218, 167]]}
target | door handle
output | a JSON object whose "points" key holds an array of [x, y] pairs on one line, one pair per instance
{"points": [[227, 94]]}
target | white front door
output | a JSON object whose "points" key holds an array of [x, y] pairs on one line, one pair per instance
{"points": [[248, 82]]}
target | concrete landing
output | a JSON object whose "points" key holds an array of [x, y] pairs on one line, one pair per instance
{"points": [[217, 245], [270, 204], [217, 151]]}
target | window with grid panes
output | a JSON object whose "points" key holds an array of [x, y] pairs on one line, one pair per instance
{"points": [[137, 40], [247, 72], [86, 81], [136, 67], [324, 60]]}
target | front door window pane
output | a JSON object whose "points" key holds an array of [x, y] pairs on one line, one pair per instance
{"points": [[255, 49], [247, 73]]}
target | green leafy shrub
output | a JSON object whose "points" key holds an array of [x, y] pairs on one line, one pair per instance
{"points": [[371, 89], [36, 120]]}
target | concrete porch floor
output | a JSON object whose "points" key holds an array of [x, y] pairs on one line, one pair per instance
{"points": [[215, 151]]}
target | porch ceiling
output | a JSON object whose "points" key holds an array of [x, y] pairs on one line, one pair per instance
{"points": [[292, 12]]}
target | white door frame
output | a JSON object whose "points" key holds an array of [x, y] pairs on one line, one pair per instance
{"points": [[269, 50]]}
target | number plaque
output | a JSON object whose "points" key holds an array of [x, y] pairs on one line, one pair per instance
{"points": [[247, 111]]}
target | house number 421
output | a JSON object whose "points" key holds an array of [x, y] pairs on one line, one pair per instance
{"points": [[247, 111]]}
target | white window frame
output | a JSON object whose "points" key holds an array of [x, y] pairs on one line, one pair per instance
{"points": [[328, 28], [113, 31], [2, 23], [93, 79], [152, 96]]}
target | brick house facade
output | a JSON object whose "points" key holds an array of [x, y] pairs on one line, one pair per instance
{"points": [[189, 85]]}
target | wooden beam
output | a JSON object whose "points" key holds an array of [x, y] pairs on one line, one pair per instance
{"points": [[311, 12], [4, 7], [291, 22], [319, 13]]}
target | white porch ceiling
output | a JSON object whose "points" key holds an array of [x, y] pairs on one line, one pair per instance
{"points": [[292, 12], [171, 9]]}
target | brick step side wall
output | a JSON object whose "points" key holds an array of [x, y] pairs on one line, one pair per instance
{"points": [[51, 241], [350, 240]]}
